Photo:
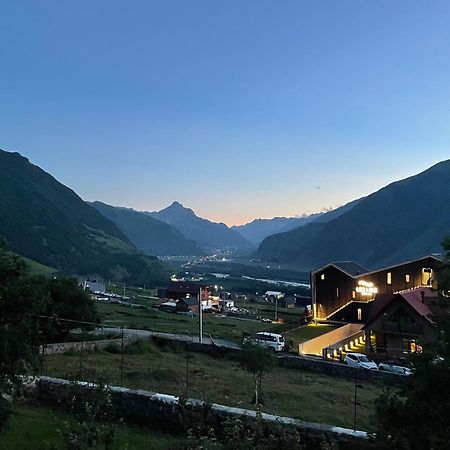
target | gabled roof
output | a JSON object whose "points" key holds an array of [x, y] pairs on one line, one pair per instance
{"points": [[350, 268], [413, 298], [355, 270], [437, 257]]}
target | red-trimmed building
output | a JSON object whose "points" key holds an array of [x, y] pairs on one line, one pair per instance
{"points": [[402, 323], [343, 291]]}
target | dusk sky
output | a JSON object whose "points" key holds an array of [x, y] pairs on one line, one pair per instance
{"points": [[238, 109]]}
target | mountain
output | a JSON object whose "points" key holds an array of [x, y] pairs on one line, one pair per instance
{"points": [[207, 234], [152, 236], [44, 220], [402, 221], [257, 230]]}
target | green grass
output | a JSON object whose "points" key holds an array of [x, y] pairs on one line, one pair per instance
{"points": [[35, 428], [294, 393], [160, 321]]}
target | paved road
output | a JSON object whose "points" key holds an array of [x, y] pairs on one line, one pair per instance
{"points": [[170, 336]]}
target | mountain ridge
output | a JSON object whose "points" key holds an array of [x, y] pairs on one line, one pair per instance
{"points": [[207, 234], [152, 236], [403, 220], [44, 220]]}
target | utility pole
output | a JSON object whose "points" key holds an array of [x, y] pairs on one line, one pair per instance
{"points": [[124, 289], [200, 316], [276, 308], [121, 357], [354, 411]]}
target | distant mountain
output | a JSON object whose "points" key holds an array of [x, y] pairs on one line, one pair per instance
{"points": [[152, 236], [207, 234], [404, 220], [257, 230], [47, 222]]}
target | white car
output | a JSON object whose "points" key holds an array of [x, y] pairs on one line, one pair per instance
{"points": [[272, 341], [393, 368], [359, 360]]}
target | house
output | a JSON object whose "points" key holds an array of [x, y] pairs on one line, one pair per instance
{"points": [[188, 304], [273, 296], [94, 286], [287, 302], [181, 290], [402, 323], [342, 291]]}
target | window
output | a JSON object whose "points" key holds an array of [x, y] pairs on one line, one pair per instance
{"points": [[427, 276], [322, 277], [337, 292], [359, 312], [353, 294], [389, 278], [407, 278]]}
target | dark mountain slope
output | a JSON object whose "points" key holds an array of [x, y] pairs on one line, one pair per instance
{"points": [[44, 220], [207, 234], [152, 236], [404, 220]]}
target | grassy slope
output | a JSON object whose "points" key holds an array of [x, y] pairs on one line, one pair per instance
{"points": [[35, 427], [288, 392], [154, 320]]}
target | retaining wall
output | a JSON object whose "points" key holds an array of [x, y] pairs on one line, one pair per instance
{"points": [[169, 412]]}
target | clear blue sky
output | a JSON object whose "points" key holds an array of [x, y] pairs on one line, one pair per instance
{"points": [[237, 108]]}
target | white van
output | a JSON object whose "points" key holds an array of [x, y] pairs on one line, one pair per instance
{"points": [[272, 341]]}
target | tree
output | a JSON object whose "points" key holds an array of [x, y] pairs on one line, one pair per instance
{"points": [[416, 418], [444, 273], [24, 301], [258, 361]]}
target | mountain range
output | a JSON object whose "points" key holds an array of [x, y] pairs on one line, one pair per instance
{"points": [[207, 234], [44, 220], [152, 236], [404, 220], [257, 230]]}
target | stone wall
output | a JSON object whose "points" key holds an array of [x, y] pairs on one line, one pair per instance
{"points": [[168, 412], [63, 347]]}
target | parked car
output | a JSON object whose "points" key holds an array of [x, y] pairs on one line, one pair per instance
{"points": [[359, 360], [266, 319], [393, 368], [272, 341]]}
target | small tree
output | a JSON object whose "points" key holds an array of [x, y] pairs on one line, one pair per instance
{"points": [[258, 361]]}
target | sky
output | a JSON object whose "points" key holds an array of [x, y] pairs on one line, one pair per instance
{"points": [[237, 109]]}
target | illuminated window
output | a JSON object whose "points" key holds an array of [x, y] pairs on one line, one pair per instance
{"points": [[322, 277], [359, 311], [407, 277], [353, 294], [427, 276], [389, 278], [337, 292]]}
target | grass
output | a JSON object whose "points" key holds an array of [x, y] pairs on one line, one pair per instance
{"points": [[288, 392], [35, 427], [160, 321]]}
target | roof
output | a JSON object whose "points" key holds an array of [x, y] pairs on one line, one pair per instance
{"points": [[274, 293], [434, 256], [190, 301], [355, 270], [182, 288], [351, 268], [413, 298]]}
